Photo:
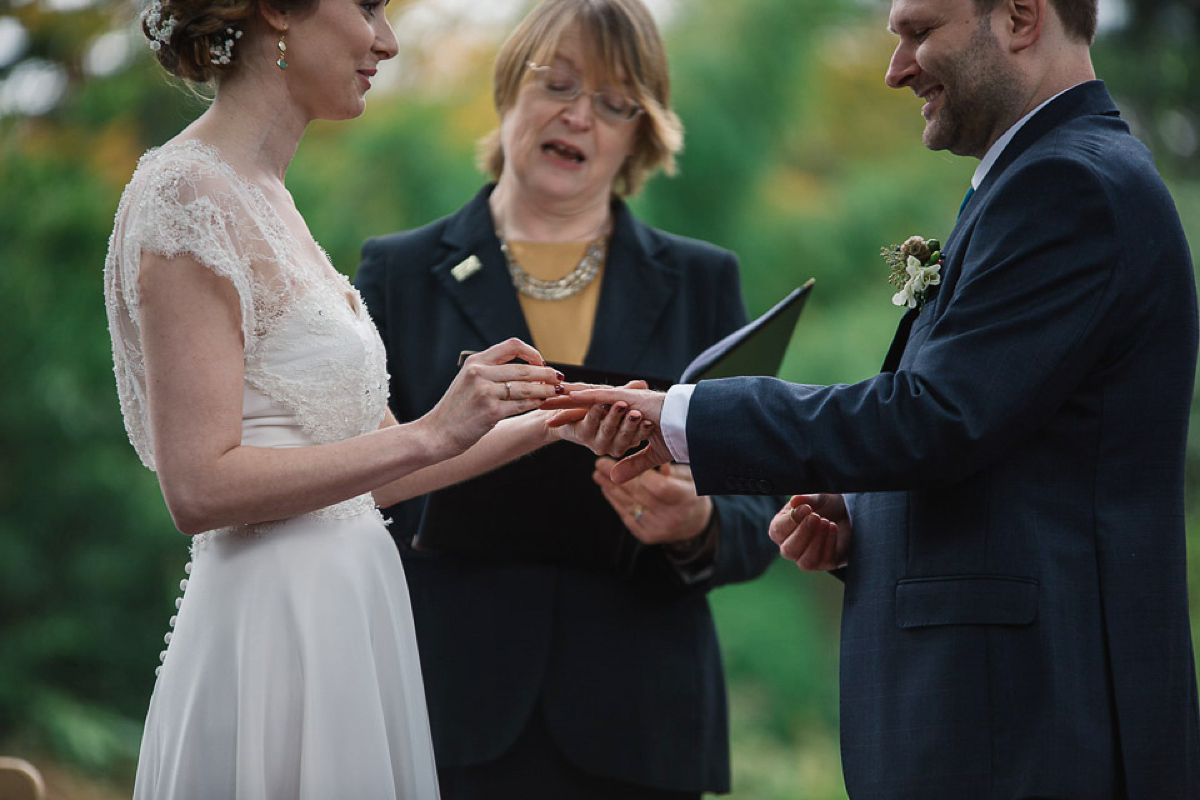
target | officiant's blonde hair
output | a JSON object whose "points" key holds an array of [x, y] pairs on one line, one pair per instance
{"points": [[621, 38]]}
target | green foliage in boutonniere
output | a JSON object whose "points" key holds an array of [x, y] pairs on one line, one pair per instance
{"points": [[915, 265]]}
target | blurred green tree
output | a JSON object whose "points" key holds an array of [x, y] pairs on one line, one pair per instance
{"points": [[1153, 67]]}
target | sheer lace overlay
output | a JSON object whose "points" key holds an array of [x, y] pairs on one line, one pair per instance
{"points": [[309, 344]]}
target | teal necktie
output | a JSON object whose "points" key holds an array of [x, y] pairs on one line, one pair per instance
{"points": [[966, 197]]}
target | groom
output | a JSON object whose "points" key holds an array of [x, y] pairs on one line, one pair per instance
{"points": [[1016, 612]]}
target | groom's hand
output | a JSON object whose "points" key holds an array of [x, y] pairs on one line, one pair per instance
{"points": [[646, 403], [813, 530]]}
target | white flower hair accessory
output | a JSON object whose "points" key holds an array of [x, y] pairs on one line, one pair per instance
{"points": [[160, 30], [222, 52], [915, 266]]}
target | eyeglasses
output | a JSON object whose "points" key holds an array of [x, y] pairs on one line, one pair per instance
{"points": [[563, 86]]}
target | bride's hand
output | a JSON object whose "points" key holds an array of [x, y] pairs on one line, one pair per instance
{"points": [[489, 387], [605, 430]]}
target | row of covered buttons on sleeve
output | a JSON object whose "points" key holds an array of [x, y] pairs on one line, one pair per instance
{"points": [[748, 485]]}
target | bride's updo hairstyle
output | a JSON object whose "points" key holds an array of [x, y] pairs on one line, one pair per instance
{"points": [[198, 40]]}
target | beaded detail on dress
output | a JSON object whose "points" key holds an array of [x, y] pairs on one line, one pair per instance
{"points": [[355, 506]]}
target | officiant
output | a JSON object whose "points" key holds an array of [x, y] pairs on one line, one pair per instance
{"points": [[568, 650]]}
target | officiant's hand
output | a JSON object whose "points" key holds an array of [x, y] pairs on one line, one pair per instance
{"points": [[659, 506], [606, 430], [813, 530], [646, 403]]}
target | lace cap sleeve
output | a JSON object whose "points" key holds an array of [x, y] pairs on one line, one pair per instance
{"points": [[180, 201]]}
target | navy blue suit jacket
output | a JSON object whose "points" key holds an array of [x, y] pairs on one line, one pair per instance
{"points": [[628, 672], [1015, 619]]}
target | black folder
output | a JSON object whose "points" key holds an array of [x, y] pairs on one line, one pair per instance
{"points": [[565, 519], [754, 349]]}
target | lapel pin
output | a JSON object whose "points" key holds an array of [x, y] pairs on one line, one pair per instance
{"points": [[466, 268]]}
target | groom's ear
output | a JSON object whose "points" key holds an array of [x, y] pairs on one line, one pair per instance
{"points": [[1022, 22]]}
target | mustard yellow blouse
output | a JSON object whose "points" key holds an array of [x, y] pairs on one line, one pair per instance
{"points": [[561, 329]]}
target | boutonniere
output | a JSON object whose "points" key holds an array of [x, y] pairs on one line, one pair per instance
{"points": [[915, 265]]}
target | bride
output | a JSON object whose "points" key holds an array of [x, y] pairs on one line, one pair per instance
{"points": [[253, 383]]}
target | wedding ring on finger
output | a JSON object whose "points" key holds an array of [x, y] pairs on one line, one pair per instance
{"points": [[638, 510], [507, 390]]}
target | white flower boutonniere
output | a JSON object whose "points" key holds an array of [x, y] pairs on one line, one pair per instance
{"points": [[915, 265]]}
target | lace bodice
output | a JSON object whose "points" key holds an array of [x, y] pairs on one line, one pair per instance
{"points": [[309, 345]]}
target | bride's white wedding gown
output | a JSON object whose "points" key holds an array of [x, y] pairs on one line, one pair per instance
{"points": [[291, 669]]}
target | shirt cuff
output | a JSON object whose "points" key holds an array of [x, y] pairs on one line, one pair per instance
{"points": [[674, 420]]}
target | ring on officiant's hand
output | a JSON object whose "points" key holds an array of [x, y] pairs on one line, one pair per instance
{"points": [[638, 510], [507, 390]]}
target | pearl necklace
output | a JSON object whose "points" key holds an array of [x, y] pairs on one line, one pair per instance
{"points": [[571, 283]]}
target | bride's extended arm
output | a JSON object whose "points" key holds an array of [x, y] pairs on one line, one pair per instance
{"points": [[606, 432], [191, 333]]}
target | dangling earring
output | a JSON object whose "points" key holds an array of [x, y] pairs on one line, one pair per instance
{"points": [[282, 62]]}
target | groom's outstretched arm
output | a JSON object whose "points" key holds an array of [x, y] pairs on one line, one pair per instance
{"points": [[648, 403]]}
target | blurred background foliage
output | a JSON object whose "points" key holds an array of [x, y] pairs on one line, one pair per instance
{"points": [[797, 157]]}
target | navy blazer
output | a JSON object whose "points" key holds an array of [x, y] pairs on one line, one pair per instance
{"points": [[628, 674], [1015, 618]]}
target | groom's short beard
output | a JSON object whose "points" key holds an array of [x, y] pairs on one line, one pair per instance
{"points": [[983, 101]]}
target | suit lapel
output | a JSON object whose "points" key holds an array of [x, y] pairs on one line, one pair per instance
{"points": [[896, 349], [1087, 98], [637, 285], [486, 297], [637, 288]]}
